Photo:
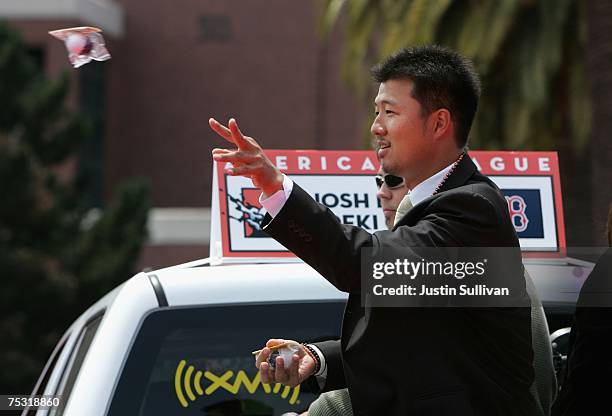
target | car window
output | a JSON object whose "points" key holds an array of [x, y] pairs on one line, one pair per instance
{"points": [[86, 337], [198, 361]]}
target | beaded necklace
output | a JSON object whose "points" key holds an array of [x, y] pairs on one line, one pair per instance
{"points": [[451, 170]]}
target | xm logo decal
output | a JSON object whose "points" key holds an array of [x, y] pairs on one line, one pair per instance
{"points": [[185, 386]]}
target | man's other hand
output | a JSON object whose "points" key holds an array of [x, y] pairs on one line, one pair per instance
{"points": [[302, 365], [248, 159]]}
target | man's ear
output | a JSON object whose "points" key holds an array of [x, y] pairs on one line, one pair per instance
{"points": [[442, 123]]}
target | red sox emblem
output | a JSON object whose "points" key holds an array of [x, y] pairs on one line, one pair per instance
{"points": [[516, 208]]}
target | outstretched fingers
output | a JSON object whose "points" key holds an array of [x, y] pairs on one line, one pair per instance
{"points": [[231, 133], [218, 151], [236, 158], [237, 135], [220, 129]]}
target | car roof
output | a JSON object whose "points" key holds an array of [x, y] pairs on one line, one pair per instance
{"points": [[557, 280], [245, 283], [202, 282]]}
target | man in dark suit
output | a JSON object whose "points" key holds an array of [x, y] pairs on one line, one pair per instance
{"points": [[588, 379], [448, 361]]}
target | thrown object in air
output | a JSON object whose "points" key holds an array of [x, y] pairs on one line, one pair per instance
{"points": [[83, 44]]}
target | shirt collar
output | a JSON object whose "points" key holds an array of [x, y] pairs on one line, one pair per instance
{"points": [[426, 188]]}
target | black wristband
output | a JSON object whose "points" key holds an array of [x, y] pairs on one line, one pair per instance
{"points": [[311, 351]]}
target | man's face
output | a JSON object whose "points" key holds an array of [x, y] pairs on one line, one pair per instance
{"points": [[403, 142], [390, 199]]}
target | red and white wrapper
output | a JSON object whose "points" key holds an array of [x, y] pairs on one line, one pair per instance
{"points": [[83, 44]]}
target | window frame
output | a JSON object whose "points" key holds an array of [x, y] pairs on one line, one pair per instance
{"points": [[45, 375], [70, 369]]}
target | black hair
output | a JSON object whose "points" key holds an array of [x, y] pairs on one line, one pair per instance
{"points": [[442, 79]]}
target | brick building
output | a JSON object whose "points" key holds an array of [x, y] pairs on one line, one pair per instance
{"points": [[174, 65]]}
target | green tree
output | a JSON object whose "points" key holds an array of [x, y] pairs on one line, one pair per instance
{"points": [[527, 53], [599, 65], [54, 263]]}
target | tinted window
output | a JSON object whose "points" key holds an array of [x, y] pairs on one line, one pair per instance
{"points": [[87, 336], [199, 362]]}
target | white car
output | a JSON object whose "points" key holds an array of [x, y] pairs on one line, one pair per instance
{"points": [[178, 341]]}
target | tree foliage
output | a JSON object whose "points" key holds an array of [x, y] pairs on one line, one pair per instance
{"points": [[53, 262], [529, 54]]}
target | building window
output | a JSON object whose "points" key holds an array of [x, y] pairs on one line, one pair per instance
{"points": [[38, 56], [214, 28]]}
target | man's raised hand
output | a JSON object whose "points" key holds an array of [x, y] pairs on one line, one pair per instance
{"points": [[248, 159]]}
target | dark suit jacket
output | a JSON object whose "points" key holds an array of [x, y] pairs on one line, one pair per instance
{"points": [[586, 389], [450, 361]]}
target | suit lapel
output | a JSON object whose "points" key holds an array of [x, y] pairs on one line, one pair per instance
{"points": [[460, 175]]}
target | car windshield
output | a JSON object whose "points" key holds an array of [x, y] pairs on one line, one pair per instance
{"points": [[198, 361]]}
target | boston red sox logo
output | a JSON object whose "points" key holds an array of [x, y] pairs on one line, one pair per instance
{"points": [[516, 207]]}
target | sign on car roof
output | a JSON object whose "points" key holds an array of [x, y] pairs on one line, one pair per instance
{"points": [[343, 181]]}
